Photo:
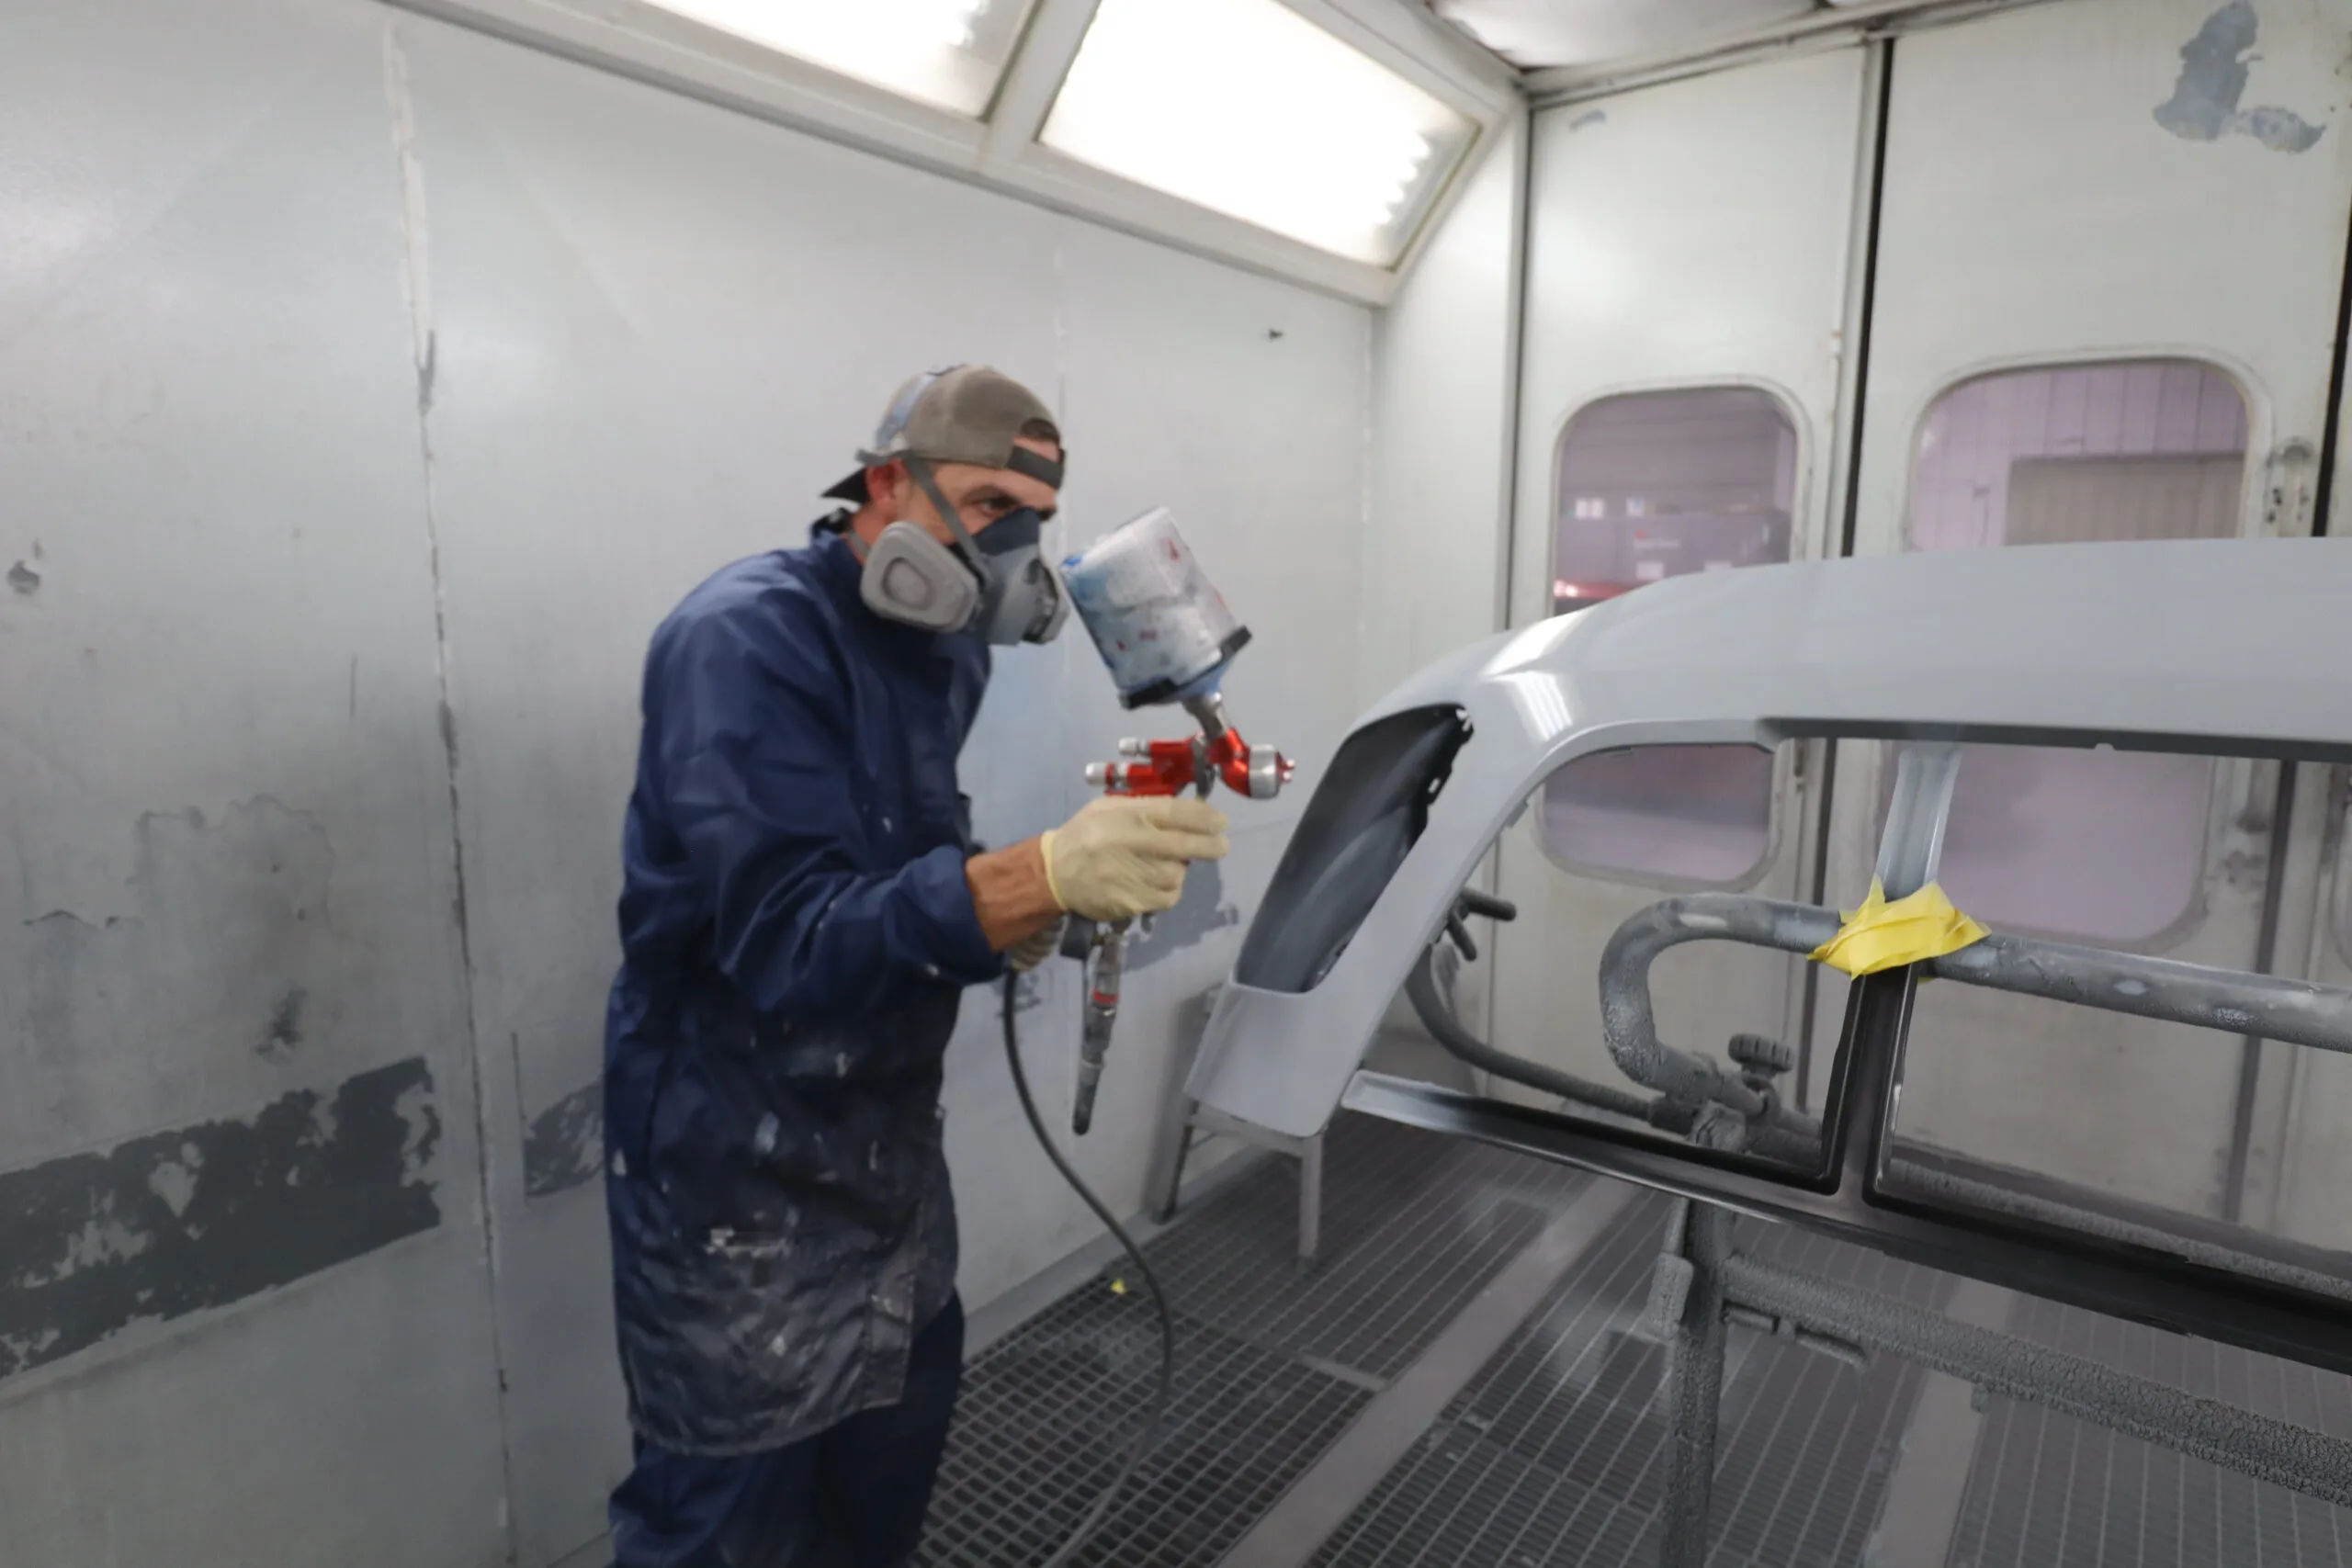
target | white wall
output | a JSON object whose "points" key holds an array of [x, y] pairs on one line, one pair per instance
{"points": [[262, 545], [1436, 530], [1445, 361]]}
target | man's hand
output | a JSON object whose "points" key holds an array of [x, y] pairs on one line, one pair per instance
{"points": [[1124, 855]]}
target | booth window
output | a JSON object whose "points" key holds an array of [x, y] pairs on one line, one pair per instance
{"points": [[2097, 845], [1652, 485]]}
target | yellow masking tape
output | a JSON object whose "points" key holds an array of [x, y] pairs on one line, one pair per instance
{"points": [[1881, 935]]}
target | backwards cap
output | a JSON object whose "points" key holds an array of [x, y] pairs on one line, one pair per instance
{"points": [[970, 413]]}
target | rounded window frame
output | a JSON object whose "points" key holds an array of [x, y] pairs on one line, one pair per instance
{"points": [[2233, 778], [1803, 547]]}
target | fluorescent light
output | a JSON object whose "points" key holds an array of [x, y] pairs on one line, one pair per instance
{"points": [[1247, 107], [947, 52]]}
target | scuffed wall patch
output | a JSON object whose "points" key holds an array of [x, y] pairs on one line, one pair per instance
{"points": [[283, 1035], [231, 946], [25, 579], [179, 1222], [2214, 68], [564, 1145]]}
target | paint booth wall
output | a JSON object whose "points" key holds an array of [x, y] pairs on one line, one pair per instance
{"points": [[371, 389], [1445, 360]]}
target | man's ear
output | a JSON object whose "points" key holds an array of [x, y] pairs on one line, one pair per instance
{"points": [[887, 485]]}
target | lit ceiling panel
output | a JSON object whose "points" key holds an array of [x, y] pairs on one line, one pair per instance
{"points": [[1246, 107], [949, 53], [1533, 34]]}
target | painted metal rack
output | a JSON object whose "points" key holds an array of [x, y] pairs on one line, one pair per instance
{"points": [[1747, 1151]]}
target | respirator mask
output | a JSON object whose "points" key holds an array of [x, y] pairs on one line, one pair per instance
{"points": [[996, 584]]}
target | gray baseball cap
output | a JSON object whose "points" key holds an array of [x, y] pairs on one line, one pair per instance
{"points": [[969, 413]]}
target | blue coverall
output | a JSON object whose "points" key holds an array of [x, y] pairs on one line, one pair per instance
{"points": [[797, 934]]}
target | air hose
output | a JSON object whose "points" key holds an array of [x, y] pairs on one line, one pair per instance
{"points": [[1149, 1438]]}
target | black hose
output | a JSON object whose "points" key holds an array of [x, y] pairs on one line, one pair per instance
{"points": [[1420, 989], [1149, 1438]]}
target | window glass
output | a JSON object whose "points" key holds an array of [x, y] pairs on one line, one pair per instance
{"points": [[1655, 485], [2101, 845], [1686, 814], [2066, 1112]]}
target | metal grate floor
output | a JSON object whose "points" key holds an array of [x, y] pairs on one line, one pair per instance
{"points": [[1048, 1417], [1275, 1360], [1553, 1456], [1414, 1225], [2050, 1492]]}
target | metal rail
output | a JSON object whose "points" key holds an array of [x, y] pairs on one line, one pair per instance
{"points": [[2296, 1457], [2286, 1305]]}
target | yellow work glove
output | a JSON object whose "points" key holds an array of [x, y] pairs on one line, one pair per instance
{"points": [[1124, 855], [1026, 955]]}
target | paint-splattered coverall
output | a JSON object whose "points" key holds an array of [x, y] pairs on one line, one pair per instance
{"points": [[796, 933]]}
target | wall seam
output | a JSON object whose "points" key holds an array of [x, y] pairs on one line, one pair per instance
{"points": [[416, 285], [1368, 487], [1517, 280]]}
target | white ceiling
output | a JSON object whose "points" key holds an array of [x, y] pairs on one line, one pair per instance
{"points": [[1533, 34]]}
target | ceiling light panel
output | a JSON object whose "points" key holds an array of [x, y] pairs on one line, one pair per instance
{"points": [[948, 54], [1536, 33], [1246, 107]]}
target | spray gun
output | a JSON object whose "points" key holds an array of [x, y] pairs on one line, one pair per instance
{"points": [[1167, 637]]}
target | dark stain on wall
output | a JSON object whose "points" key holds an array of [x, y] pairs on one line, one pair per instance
{"points": [[180, 1222], [283, 1034], [2214, 74], [564, 1145]]}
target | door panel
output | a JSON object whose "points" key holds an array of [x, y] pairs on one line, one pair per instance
{"points": [[2068, 344], [1687, 267]]}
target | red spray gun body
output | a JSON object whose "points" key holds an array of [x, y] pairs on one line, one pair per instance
{"points": [[1165, 768], [1216, 755], [1167, 637]]}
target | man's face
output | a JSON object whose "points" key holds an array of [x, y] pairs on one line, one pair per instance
{"points": [[980, 496]]}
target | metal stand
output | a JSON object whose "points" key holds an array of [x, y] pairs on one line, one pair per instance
{"points": [[1832, 1175], [1194, 1117], [1185, 1120], [1699, 1239]]}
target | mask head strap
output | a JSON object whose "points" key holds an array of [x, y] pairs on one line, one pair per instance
{"points": [[1048, 469], [966, 545]]}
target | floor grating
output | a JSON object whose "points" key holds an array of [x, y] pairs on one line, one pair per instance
{"points": [[1062, 1403], [1413, 1224], [1275, 1360], [2050, 1492], [1551, 1456], [1556, 1452]]}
